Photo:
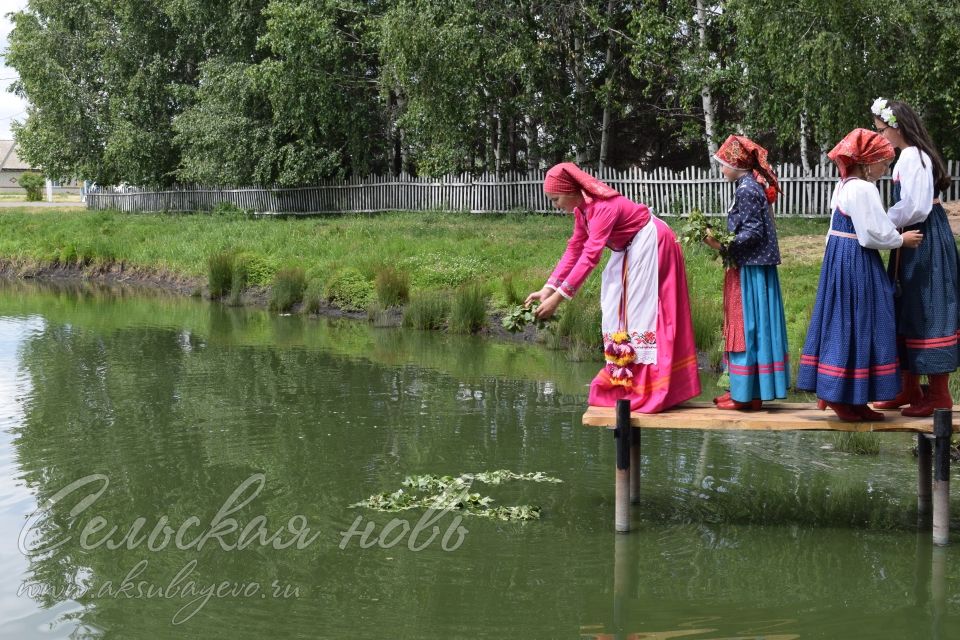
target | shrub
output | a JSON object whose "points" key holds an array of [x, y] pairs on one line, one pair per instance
{"points": [[260, 270], [287, 289], [228, 209], [68, 254], [392, 286], [468, 312], [427, 310], [220, 273], [349, 290], [33, 183]]}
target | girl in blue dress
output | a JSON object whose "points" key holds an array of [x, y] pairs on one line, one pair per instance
{"points": [[850, 354], [928, 277]]}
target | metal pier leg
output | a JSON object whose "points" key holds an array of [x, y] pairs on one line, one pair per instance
{"points": [[924, 497], [623, 434], [942, 430]]}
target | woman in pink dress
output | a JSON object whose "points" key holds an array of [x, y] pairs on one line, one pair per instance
{"points": [[646, 325]]}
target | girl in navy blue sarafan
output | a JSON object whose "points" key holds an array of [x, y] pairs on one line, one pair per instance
{"points": [[850, 354]]}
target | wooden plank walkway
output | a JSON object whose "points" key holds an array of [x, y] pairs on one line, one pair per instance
{"points": [[933, 445], [775, 416]]}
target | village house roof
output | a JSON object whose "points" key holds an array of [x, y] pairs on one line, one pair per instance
{"points": [[9, 160]]}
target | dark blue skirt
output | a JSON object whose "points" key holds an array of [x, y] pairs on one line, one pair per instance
{"points": [[928, 309], [850, 354]]}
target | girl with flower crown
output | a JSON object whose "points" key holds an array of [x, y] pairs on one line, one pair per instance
{"points": [[754, 329], [850, 354], [928, 307], [647, 329]]}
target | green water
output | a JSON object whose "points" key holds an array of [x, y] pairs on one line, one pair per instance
{"points": [[157, 407]]}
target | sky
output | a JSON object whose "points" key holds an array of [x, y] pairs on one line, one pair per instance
{"points": [[11, 106]]}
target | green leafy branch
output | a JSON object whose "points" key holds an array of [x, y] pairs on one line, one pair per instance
{"points": [[698, 229], [520, 316]]}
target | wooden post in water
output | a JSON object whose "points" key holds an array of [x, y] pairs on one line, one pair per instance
{"points": [[942, 430], [622, 434], [924, 454]]}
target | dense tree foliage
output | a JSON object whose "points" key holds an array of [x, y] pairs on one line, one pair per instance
{"points": [[288, 92]]}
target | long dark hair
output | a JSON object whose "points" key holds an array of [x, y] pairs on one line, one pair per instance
{"points": [[913, 131]]}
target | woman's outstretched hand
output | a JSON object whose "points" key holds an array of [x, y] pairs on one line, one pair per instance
{"points": [[538, 296], [549, 306], [911, 239]]}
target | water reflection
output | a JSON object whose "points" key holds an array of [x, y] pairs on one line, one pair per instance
{"points": [[178, 403], [818, 577]]}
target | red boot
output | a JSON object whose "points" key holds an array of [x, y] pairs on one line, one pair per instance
{"points": [[866, 413], [844, 411], [910, 393], [723, 398], [730, 403], [938, 397]]}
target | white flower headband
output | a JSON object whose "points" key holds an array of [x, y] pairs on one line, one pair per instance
{"points": [[882, 111]]}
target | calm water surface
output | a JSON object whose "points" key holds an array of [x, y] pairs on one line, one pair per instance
{"points": [[119, 411]]}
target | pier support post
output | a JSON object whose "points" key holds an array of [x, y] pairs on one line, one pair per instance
{"points": [[924, 460], [942, 430], [623, 433]]}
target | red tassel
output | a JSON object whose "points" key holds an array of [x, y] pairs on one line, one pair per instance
{"points": [[771, 194]]}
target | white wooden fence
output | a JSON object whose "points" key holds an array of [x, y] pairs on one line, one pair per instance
{"points": [[666, 192]]}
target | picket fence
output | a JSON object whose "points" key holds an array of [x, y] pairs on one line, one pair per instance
{"points": [[666, 192]]}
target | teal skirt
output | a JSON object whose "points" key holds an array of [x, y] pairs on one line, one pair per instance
{"points": [[762, 371]]}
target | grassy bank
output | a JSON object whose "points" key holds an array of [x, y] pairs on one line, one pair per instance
{"points": [[441, 266]]}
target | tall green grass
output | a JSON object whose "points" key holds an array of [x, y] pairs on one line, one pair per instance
{"points": [[468, 312], [427, 310], [392, 286], [858, 442], [707, 312], [220, 273]]}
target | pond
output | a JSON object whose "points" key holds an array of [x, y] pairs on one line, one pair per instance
{"points": [[173, 468]]}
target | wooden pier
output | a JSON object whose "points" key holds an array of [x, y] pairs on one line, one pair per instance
{"points": [[933, 444]]}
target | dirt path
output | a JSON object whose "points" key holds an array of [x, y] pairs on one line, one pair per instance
{"points": [[953, 215]]}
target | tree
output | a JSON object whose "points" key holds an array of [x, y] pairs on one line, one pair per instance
{"points": [[308, 110], [688, 50]]}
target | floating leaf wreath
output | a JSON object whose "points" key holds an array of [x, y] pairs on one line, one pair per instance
{"points": [[453, 493]]}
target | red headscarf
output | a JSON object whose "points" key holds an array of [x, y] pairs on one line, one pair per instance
{"points": [[860, 146], [740, 152], [567, 177]]}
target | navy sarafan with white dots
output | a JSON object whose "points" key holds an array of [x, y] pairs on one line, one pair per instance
{"points": [[751, 222]]}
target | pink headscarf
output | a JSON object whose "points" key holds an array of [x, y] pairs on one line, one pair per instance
{"points": [[567, 177], [860, 146]]}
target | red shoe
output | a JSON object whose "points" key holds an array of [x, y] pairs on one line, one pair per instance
{"points": [[844, 411], [938, 397], [730, 403], [868, 414], [723, 398], [909, 394]]}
